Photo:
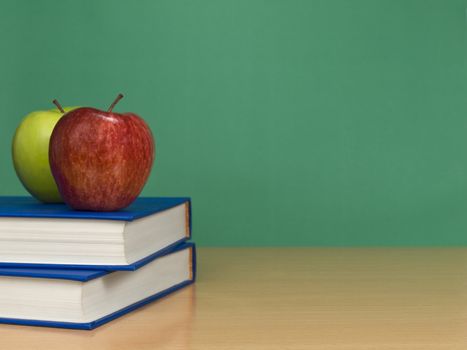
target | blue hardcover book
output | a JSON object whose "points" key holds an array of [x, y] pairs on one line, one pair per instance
{"points": [[33, 234], [86, 299]]}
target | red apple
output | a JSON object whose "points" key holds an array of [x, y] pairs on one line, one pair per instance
{"points": [[100, 159]]}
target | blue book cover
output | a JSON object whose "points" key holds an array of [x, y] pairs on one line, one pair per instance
{"points": [[28, 207], [85, 275]]}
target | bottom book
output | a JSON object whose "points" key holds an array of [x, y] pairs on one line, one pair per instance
{"points": [[86, 299]]}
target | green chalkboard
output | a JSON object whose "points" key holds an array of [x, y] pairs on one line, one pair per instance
{"points": [[331, 122]]}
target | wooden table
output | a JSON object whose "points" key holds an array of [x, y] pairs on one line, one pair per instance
{"points": [[292, 298]]}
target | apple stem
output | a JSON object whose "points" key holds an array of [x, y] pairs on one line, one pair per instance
{"points": [[59, 106], [119, 97]]}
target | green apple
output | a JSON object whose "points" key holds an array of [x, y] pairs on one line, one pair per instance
{"points": [[30, 151]]}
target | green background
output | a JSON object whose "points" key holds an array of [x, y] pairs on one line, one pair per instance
{"points": [[330, 122]]}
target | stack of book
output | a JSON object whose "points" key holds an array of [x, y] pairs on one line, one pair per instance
{"points": [[76, 269]]}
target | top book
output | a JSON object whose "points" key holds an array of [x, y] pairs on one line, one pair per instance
{"points": [[53, 235]]}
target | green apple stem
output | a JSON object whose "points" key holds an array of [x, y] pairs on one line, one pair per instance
{"points": [[59, 106], [119, 97]]}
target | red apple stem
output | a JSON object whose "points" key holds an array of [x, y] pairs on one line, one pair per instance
{"points": [[59, 106], [119, 97]]}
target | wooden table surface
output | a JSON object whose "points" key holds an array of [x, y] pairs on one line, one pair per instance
{"points": [[292, 298]]}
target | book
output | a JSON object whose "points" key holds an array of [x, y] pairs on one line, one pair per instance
{"points": [[53, 235], [86, 299]]}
